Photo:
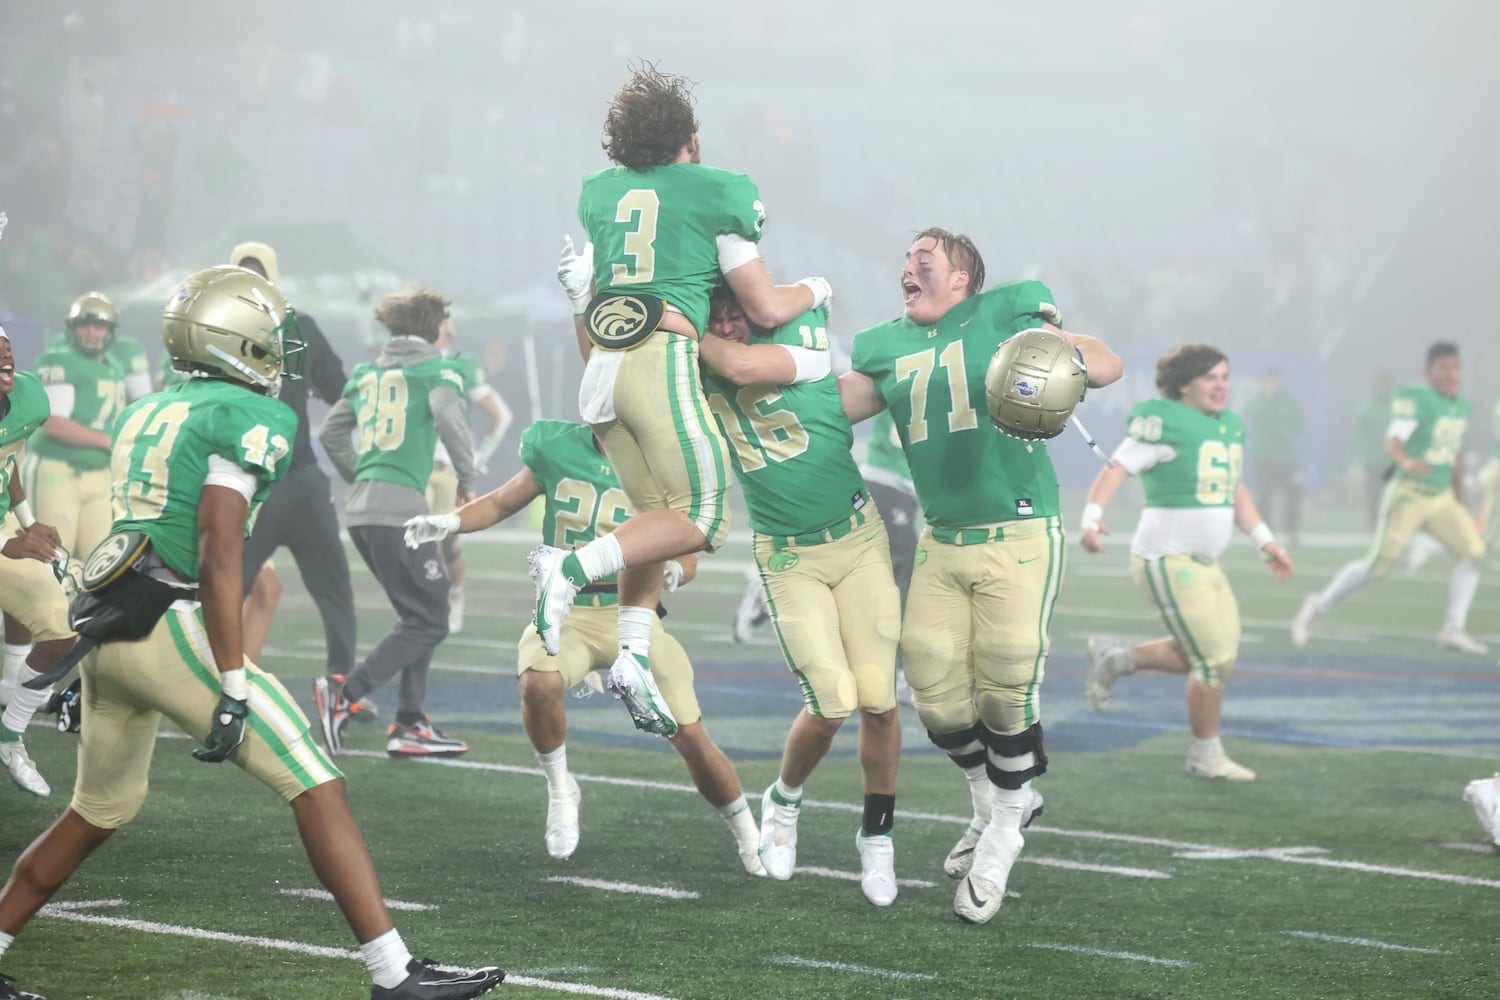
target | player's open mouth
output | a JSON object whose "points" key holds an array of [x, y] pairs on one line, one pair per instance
{"points": [[8, 376], [910, 290]]}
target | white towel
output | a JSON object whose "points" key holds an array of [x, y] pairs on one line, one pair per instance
{"points": [[596, 393]]}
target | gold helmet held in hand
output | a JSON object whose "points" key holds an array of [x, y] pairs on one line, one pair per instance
{"points": [[1033, 383], [228, 321]]}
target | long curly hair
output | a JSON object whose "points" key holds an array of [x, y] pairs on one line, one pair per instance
{"points": [[650, 119], [1182, 364], [416, 313]]}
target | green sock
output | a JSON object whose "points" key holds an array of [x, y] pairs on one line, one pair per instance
{"points": [[9, 735], [573, 570]]}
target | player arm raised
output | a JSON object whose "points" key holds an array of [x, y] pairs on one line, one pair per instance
{"points": [[1104, 365], [763, 364], [766, 304], [1247, 518]]}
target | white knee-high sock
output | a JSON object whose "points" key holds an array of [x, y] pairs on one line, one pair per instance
{"points": [[1345, 582], [1461, 587], [24, 703], [15, 659]]}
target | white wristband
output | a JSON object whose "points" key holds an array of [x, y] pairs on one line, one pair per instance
{"points": [[1261, 535], [23, 513], [580, 306], [1093, 513], [235, 684], [821, 290]]}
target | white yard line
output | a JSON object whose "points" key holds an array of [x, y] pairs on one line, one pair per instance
{"points": [[325, 895], [863, 970], [1082, 866], [913, 883], [665, 892], [1100, 953], [1364, 942]]}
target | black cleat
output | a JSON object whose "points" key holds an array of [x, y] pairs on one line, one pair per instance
{"points": [[9, 991], [426, 980]]}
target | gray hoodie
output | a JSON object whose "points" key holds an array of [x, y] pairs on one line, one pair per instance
{"points": [[375, 501]]}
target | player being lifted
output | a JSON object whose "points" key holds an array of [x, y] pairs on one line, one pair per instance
{"points": [[562, 462], [1189, 451], [666, 228], [824, 561], [190, 466], [30, 594], [989, 564], [1425, 442], [402, 404]]}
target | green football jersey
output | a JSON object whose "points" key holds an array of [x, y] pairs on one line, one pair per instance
{"points": [[1210, 457], [170, 375], [26, 409], [932, 378], [584, 500], [161, 459], [656, 231], [883, 451], [1439, 437], [130, 355], [790, 443], [98, 400], [472, 373], [397, 435]]}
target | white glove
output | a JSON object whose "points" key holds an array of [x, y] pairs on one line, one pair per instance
{"points": [[430, 528], [671, 576], [575, 272], [821, 290]]}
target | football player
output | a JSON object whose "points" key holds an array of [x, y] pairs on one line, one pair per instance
{"points": [[190, 466], [563, 463], [30, 592], [1425, 441], [989, 563], [299, 513], [442, 488], [402, 404], [666, 227], [1189, 451]]}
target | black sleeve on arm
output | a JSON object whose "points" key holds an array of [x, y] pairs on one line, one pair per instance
{"points": [[325, 370]]}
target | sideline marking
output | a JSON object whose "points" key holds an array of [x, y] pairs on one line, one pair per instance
{"points": [[1100, 953], [631, 887], [324, 894], [864, 970], [69, 911], [1083, 866], [913, 883], [1365, 942]]}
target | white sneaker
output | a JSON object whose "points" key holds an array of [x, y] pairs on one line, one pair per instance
{"points": [[752, 610], [778, 835], [554, 594], [1107, 659], [877, 867], [1302, 623], [633, 684], [562, 819], [980, 894], [903, 689], [15, 759], [747, 841], [1218, 767], [961, 859], [1453, 637], [1484, 796]]}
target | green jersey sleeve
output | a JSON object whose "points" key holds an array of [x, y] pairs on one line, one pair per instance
{"points": [[583, 499], [790, 444], [1438, 438], [129, 355], [29, 409], [1209, 458], [472, 373], [98, 387]]}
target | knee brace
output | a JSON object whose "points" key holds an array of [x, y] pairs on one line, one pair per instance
{"points": [[1011, 761], [965, 747]]}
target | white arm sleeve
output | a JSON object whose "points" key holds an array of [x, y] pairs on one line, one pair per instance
{"points": [[735, 250], [1401, 428], [137, 384], [1136, 457], [60, 399], [223, 472], [811, 365]]}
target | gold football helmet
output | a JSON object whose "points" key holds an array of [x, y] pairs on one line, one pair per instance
{"points": [[92, 308], [1033, 383], [228, 321]]}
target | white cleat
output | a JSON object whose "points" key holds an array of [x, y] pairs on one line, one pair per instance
{"points": [[1302, 623], [1484, 796], [778, 835], [752, 610], [1452, 637], [15, 759], [980, 894], [751, 861], [1107, 659], [554, 594], [562, 819], [961, 859], [877, 867], [1218, 768], [633, 684]]}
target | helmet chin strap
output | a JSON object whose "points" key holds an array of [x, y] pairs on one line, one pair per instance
{"points": [[270, 385], [1073, 419]]}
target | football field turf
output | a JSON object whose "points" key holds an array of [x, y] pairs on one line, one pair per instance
{"points": [[1351, 868]]}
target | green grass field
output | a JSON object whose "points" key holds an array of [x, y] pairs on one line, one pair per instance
{"points": [[1351, 868]]}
